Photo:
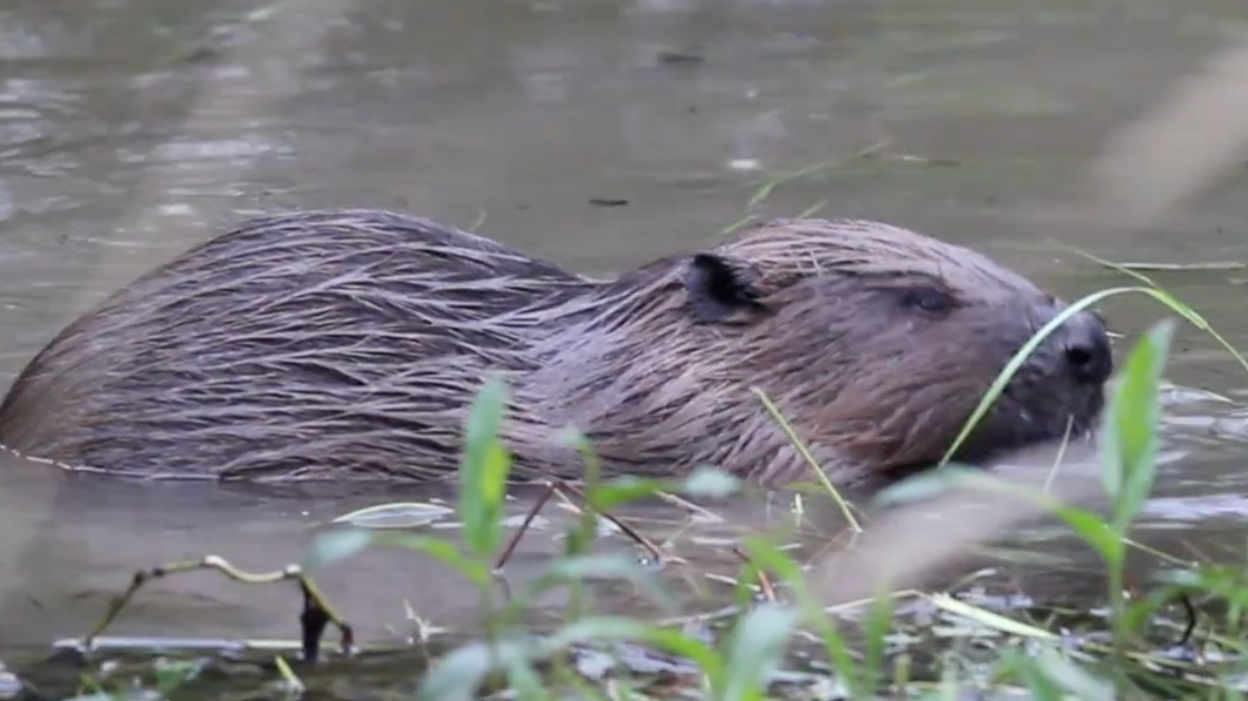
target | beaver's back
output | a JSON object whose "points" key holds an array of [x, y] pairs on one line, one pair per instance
{"points": [[288, 346]]}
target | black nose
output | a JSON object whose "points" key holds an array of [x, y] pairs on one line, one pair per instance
{"points": [[1086, 345]]}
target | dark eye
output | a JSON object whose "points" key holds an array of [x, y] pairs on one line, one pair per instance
{"points": [[927, 299]]}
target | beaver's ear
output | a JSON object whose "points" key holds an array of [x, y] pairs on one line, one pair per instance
{"points": [[721, 288]]}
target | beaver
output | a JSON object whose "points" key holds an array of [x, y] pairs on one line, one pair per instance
{"points": [[349, 345]]}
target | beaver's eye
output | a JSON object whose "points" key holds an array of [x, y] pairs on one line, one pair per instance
{"points": [[927, 299]]}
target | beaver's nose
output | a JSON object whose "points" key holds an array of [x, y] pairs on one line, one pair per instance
{"points": [[1086, 347]]}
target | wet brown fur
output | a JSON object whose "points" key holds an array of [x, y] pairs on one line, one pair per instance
{"points": [[348, 345]]}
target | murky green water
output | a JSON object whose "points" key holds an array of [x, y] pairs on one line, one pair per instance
{"points": [[131, 128]]}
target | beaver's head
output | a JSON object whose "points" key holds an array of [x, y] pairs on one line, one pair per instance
{"points": [[875, 342]]}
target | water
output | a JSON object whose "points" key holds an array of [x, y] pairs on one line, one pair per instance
{"points": [[597, 134]]}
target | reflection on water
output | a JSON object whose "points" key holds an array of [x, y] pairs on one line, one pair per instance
{"points": [[519, 117]]}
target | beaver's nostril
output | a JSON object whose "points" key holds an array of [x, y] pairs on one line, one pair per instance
{"points": [[1078, 356], [1088, 354]]}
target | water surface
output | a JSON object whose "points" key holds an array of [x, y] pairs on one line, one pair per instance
{"points": [[597, 134]]}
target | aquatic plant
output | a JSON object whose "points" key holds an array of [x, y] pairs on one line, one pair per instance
{"points": [[746, 658], [839, 610]]}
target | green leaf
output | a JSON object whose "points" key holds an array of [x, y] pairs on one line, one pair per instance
{"points": [[1073, 678], [438, 548], [1144, 611], [576, 568], [1225, 581], [572, 437], [1042, 688], [597, 629], [1094, 531], [611, 567], [1087, 524], [1129, 450], [605, 629], [677, 643], [458, 675], [703, 482], [924, 485], [171, 674], [611, 494], [526, 682], [334, 546], [711, 483], [484, 469], [767, 556], [753, 651], [99, 696], [876, 632]]}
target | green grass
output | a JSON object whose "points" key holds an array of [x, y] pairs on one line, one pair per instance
{"points": [[857, 652], [841, 625]]}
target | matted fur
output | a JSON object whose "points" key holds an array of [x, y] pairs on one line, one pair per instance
{"points": [[349, 344]]}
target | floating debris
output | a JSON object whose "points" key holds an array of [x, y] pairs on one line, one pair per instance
{"points": [[396, 515], [10, 685]]}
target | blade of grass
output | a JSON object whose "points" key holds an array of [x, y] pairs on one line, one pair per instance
{"points": [[1189, 314], [753, 651], [808, 457], [988, 618], [484, 469], [1007, 373], [1129, 450]]}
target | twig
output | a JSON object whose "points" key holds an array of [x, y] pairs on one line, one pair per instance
{"points": [[655, 551], [317, 612], [690, 507], [806, 455], [563, 488], [1061, 454], [1191, 618], [764, 582], [524, 527]]}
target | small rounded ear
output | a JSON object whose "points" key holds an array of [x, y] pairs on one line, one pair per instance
{"points": [[721, 287]]}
